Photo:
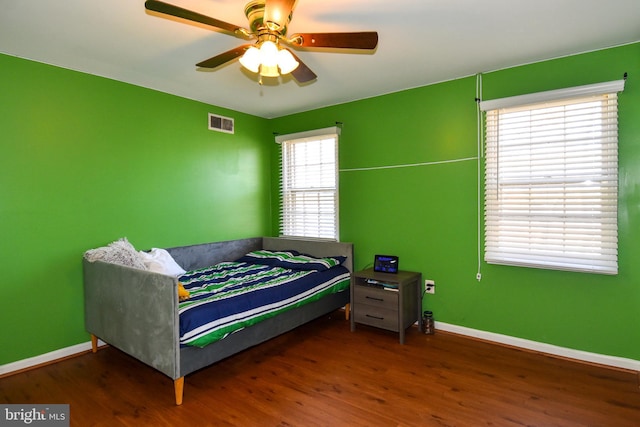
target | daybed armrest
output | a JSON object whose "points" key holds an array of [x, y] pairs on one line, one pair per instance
{"points": [[135, 311]]}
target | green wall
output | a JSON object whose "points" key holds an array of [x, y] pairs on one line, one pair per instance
{"points": [[427, 212], [84, 161]]}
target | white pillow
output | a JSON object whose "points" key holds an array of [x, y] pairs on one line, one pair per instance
{"points": [[160, 261]]}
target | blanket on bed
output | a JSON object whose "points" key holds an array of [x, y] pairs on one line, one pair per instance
{"points": [[232, 295]]}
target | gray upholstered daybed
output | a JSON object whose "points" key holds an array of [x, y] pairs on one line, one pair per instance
{"points": [[136, 311]]}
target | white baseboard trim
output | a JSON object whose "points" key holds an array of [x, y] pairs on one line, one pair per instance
{"points": [[600, 359], [46, 358], [585, 356]]}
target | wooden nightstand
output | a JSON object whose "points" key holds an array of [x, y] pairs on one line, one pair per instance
{"points": [[387, 301]]}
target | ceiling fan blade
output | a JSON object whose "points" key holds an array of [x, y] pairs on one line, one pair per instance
{"points": [[223, 58], [361, 40], [278, 12], [169, 9], [302, 73]]}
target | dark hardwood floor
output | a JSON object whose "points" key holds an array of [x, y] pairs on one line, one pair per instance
{"points": [[322, 374]]}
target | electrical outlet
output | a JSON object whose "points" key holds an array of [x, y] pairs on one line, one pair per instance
{"points": [[429, 286]]}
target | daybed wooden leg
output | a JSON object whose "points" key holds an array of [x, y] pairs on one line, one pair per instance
{"points": [[94, 343], [178, 385], [347, 311]]}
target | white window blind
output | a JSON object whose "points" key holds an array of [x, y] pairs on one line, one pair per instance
{"points": [[551, 184], [309, 186]]}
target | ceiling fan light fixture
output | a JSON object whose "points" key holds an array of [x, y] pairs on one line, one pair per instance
{"points": [[251, 59], [267, 59]]}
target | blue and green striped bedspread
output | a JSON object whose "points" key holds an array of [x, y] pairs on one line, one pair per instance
{"points": [[230, 296]]}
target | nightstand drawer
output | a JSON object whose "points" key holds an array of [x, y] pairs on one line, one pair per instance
{"points": [[376, 297], [377, 316]]}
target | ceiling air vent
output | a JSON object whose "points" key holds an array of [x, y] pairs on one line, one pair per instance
{"points": [[221, 123]]}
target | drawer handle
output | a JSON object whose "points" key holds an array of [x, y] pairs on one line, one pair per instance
{"points": [[375, 317], [375, 299]]}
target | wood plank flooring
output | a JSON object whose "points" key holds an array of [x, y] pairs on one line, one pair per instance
{"points": [[322, 374]]}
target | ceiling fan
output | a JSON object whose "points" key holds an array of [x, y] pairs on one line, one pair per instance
{"points": [[268, 20]]}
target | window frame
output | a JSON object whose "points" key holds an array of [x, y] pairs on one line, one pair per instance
{"points": [[515, 245], [327, 196]]}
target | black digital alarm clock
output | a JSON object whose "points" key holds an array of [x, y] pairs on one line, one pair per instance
{"points": [[386, 264]]}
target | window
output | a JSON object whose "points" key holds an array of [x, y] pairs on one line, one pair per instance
{"points": [[309, 184], [551, 179]]}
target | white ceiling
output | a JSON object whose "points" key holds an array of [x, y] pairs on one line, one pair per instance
{"points": [[420, 42]]}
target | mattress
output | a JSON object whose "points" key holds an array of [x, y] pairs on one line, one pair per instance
{"points": [[230, 296]]}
